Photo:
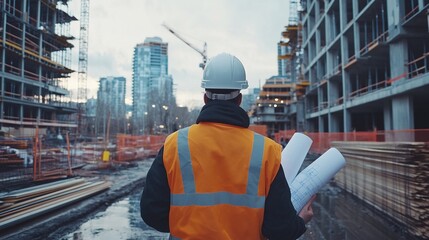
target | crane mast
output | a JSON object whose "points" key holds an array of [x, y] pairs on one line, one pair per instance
{"points": [[202, 52], [83, 50], [83, 62]]}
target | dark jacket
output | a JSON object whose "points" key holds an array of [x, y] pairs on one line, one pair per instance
{"points": [[280, 218]]}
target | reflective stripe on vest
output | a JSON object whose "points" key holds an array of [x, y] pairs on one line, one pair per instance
{"points": [[191, 198]]}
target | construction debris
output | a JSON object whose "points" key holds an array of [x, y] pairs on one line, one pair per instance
{"points": [[393, 177]]}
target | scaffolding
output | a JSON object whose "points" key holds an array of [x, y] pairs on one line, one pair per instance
{"points": [[35, 64], [362, 63]]}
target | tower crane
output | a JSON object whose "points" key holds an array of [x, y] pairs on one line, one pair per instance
{"points": [[83, 63], [203, 52], [83, 50]]}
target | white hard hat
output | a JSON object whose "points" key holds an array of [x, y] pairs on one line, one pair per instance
{"points": [[224, 71]]}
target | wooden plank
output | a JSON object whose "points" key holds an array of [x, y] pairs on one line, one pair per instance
{"points": [[393, 177], [51, 205]]}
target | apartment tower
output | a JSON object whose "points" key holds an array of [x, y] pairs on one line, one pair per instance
{"points": [[152, 87]]}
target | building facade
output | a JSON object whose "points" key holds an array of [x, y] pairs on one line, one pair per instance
{"points": [[152, 87], [35, 59], [274, 104], [111, 108], [367, 63]]}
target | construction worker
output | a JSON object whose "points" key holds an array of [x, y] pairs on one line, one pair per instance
{"points": [[217, 179]]}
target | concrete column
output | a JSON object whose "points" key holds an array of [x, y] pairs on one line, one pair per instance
{"points": [[399, 52], [320, 95], [333, 91], [398, 49], [39, 114], [343, 15], [2, 69], [38, 13], [321, 125], [300, 116], [1, 111], [347, 121], [395, 12], [328, 26], [387, 116], [317, 12], [402, 112], [356, 27], [334, 123], [346, 90], [329, 62], [317, 34], [42, 54], [21, 113], [356, 32], [3, 59], [422, 4]]}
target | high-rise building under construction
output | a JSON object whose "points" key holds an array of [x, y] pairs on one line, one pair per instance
{"points": [[367, 63], [152, 87], [35, 62]]}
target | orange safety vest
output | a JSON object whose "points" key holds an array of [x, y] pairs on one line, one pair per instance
{"points": [[219, 176]]}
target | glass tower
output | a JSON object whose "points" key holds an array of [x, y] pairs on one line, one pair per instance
{"points": [[151, 83]]}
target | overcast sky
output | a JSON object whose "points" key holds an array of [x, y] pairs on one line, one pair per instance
{"points": [[248, 29]]}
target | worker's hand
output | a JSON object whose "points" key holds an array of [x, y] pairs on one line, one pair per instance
{"points": [[307, 211]]}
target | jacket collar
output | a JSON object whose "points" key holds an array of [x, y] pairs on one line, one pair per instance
{"points": [[223, 112]]}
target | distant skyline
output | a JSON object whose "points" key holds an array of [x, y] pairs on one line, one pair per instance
{"points": [[248, 29]]}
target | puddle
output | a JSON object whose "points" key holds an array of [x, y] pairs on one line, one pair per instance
{"points": [[119, 221]]}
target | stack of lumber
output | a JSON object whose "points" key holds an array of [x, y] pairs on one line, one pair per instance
{"points": [[24, 204], [393, 177], [10, 158], [18, 144]]}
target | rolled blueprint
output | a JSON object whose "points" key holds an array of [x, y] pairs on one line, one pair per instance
{"points": [[310, 180], [294, 154]]}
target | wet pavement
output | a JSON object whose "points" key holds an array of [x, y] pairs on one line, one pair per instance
{"points": [[338, 216], [115, 214], [120, 221]]}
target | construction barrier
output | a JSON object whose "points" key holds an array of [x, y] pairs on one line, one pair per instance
{"points": [[56, 158], [51, 158], [16, 161], [322, 140], [129, 147]]}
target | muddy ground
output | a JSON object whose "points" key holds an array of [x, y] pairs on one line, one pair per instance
{"points": [[338, 215], [124, 178]]}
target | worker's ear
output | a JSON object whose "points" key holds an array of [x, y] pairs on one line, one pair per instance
{"points": [[206, 99]]}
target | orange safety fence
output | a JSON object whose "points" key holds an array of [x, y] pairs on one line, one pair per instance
{"points": [[16, 161], [322, 140], [51, 157], [129, 147]]}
